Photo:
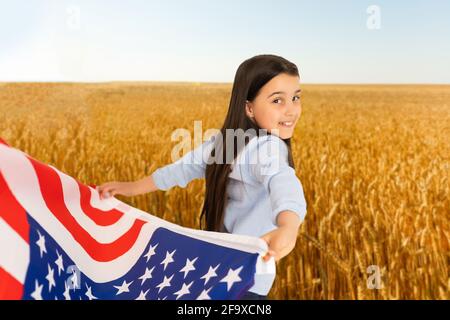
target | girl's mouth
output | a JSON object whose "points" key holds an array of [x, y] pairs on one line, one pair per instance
{"points": [[286, 124]]}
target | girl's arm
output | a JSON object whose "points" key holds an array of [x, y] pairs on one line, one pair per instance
{"points": [[128, 189], [179, 173], [189, 167], [281, 241], [285, 192], [145, 185], [270, 167]]}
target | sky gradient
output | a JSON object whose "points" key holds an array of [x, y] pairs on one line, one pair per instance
{"points": [[205, 41]]}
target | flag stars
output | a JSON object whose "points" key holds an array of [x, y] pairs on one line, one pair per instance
{"points": [[37, 293], [59, 263], [232, 277], [50, 278], [150, 252], [89, 293], [41, 244], [168, 259], [74, 280], [66, 293], [170, 276], [164, 283], [142, 295], [124, 287], [183, 291], [147, 275], [211, 273], [188, 267], [204, 295]]}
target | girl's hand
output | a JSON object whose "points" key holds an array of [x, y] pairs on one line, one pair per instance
{"points": [[110, 189], [281, 242], [128, 189]]}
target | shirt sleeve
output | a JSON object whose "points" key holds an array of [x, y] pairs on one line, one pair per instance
{"points": [[269, 165], [189, 167]]}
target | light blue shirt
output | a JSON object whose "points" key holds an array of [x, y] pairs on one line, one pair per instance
{"points": [[261, 185]]}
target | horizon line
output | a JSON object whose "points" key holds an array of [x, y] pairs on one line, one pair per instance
{"points": [[226, 83]]}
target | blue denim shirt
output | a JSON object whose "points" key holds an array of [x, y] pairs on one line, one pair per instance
{"points": [[261, 185]]}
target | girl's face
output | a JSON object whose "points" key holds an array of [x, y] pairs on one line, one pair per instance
{"points": [[277, 105]]}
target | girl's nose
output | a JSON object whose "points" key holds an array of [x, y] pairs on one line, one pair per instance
{"points": [[291, 110], [290, 113]]}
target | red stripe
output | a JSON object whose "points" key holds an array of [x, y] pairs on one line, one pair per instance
{"points": [[10, 288], [3, 142], [12, 212], [101, 218], [51, 189]]}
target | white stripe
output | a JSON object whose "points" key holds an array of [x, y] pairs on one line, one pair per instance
{"points": [[21, 178], [14, 252], [27, 184]]}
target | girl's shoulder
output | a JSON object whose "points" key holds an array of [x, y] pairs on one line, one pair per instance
{"points": [[260, 151], [262, 148], [267, 147]]}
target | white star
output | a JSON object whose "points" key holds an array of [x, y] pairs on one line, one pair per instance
{"points": [[59, 263], [66, 293], [188, 267], [37, 293], [204, 295], [150, 252], [168, 259], [41, 243], [123, 287], [184, 290], [165, 283], [232, 277], [50, 278], [147, 275], [89, 293], [211, 273], [74, 280], [142, 295]]}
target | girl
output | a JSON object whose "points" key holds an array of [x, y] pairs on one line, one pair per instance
{"points": [[259, 195]]}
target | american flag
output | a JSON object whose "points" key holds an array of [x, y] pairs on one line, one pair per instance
{"points": [[58, 240]]}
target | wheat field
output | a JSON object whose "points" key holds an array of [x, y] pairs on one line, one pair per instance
{"points": [[374, 162]]}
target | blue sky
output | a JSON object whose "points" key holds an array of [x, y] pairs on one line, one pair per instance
{"points": [[199, 40]]}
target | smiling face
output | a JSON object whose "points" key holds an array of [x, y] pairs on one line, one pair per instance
{"points": [[277, 105]]}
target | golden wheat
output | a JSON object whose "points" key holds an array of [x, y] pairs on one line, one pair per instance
{"points": [[374, 162]]}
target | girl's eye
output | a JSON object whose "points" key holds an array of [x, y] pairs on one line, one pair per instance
{"points": [[298, 98]]}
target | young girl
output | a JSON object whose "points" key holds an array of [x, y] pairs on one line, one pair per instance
{"points": [[257, 193]]}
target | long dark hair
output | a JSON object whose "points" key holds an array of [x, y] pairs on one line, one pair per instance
{"points": [[250, 77]]}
